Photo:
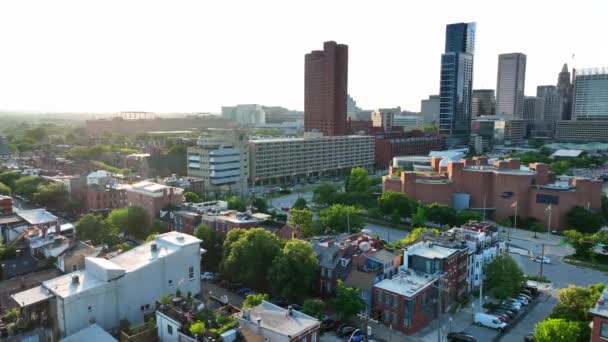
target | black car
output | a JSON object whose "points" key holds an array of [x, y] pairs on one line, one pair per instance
{"points": [[461, 337], [345, 330], [507, 312], [508, 307], [533, 290]]}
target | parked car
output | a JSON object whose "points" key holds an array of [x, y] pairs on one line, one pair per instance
{"points": [[527, 296], [461, 337], [208, 276], [515, 303], [490, 321], [523, 296], [533, 290], [543, 259], [510, 314], [345, 330], [529, 337], [510, 307], [501, 316], [522, 300]]}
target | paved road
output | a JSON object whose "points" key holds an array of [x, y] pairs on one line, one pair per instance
{"points": [[386, 233], [538, 313], [287, 201]]}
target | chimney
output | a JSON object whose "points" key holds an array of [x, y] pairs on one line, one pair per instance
{"points": [[153, 247], [75, 279], [289, 311]]}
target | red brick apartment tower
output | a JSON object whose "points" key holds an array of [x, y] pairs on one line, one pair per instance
{"points": [[325, 88]]}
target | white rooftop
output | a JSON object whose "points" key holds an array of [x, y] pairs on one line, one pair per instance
{"points": [[276, 318], [92, 333], [433, 252], [62, 286], [37, 216], [567, 153], [32, 296], [407, 283]]}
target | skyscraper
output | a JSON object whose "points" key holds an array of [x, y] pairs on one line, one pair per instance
{"points": [[590, 94], [456, 85], [534, 108], [510, 84], [325, 88], [564, 87], [429, 109], [551, 112], [485, 101]]}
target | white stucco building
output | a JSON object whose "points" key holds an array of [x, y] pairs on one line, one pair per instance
{"points": [[126, 286]]}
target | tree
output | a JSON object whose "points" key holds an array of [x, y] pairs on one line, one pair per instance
{"points": [[503, 276], [151, 237], [198, 328], [441, 214], [302, 219], [324, 194], [253, 300], [26, 186], [191, 197], [133, 221], [465, 216], [236, 203], [293, 272], [9, 178], [342, 218], [419, 218], [314, 307], [358, 181], [158, 227], [4, 189], [300, 203], [580, 242], [392, 201], [52, 193], [537, 227], [574, 302], [584, 220], [212, 243], [95, 228], [348, 302], [605, 207], [556, 330], [251, 255], [416, 233], [259, 204], [231, 238]]}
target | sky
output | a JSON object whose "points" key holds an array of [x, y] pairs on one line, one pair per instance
{"points": [[196, 56]]}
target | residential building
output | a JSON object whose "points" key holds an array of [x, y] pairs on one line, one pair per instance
{"points": [[456, 85], [486, 102], [73, 258], [107, 291], [565, 89], [221, 160], [6, 205], [510, 84], [334, 263], [74, 185], [385, 117], [429, 109], [225, 221], [477, 184], [325, 89], [184, 221], [407, 301], [599, 323], [191, 184], [490, 131], [534, 109], [279, 160], [590, 94], [245, 114], [273, 323], [92, 332], [581, 130], [153, 197], [106, 197], [388, 146]]}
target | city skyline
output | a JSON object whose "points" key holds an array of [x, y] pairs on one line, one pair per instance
{"points": [[160, 57]]}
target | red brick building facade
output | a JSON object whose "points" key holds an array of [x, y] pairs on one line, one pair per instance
{"points": [[599, 330], [388, 147], [325, 87], [100, 198], [474, 184]]}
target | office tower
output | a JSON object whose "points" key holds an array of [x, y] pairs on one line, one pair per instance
{"points": [[485, 101], [429, 109], [352, 111], [245, 114], [510, 84], [551, 111], [590, 94], [385, 117], [534, 108], [564, 87], [456, 85], [325, 89]]}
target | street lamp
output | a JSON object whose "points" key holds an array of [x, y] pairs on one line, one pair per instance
{"points": [[548, 210]]}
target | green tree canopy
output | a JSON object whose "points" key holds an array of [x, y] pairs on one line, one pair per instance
{"points": [[419, 218], [212, 243], [300, 203], [4, 189], [302, 219], [253, 300], [584, 220], [503, 276], [26, 186], [556, 330], [236, 203], [324, 194], [314, 307], [348, 302], [95, 228], [192, 197], [575, 301], [358, 181], [231, 238], [417, 233], [197, 328], [465, 216], [52, 193], [250, 257], [441, 214], [9, 178], [260, 204], [132, 220], [392, 201], [293, 272], [582, 243], [340, 217]]}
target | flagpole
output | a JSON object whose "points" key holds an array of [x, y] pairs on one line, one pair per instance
{"points": [[515, 218]]}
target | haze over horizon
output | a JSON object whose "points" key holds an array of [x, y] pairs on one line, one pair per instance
{"points": [[188, 56]]}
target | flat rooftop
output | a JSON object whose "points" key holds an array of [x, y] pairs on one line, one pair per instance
{"points": [[310, 138], [407, 283], [433, 252], [92, 333], [277, 319], [32, 296], [37, 216], [490, 168]]}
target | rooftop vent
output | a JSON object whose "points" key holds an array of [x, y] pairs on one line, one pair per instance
{"points": [[180, 238], [153, 247], [75, 279]]}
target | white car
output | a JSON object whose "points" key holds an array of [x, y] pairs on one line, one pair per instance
{"points": [[523, 300], [490, 321], [207, 276], [544, 260]]}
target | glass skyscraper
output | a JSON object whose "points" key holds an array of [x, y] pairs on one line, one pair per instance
{"points": [[456, 86], [591, 94]]}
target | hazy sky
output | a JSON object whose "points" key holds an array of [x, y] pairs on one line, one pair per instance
{"points": [[199, 55]]}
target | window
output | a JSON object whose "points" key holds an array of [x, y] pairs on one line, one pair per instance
{"points": [[547, 199], [604, 330], [395, 302], [169, 329], [170, 282], [74, 268], [387, 299], [191, 272], [314, 337]]}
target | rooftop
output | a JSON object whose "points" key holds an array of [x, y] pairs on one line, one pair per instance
{"points": [[323, 137], [383, 255], [152, 188], [277, 319], [37, 216], [92, 333], [490, 168], [433, 252], [63, 286], [407, 283], [32, 296], [567, 153], [601, 307]]}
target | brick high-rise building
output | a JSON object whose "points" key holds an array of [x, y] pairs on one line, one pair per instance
{"points": [[325, 89]]}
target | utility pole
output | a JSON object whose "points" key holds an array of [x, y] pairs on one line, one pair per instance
{"points": [[549, 221], [365, 317], [542, 260], [440, 289]]}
